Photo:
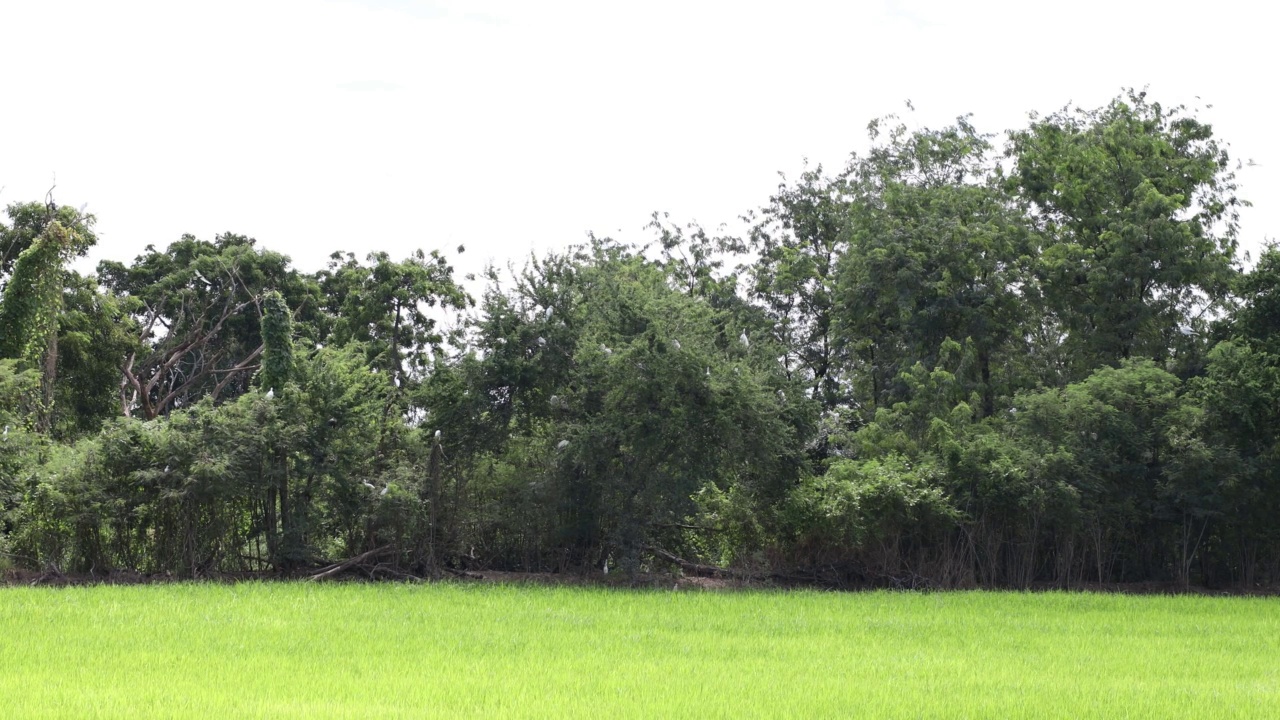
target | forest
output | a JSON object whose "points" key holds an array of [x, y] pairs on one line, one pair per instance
{"points": [[1032, 359]]}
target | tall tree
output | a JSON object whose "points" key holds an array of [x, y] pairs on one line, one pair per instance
{"points": [[33, 297], [1140, 215], [799, 238], [197, 309], [937, 251], [387, 305]]}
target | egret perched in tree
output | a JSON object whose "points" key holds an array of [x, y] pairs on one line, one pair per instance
{"points": [[605, 349], [6, 432], [542, 342], [271, 393], [437, 434], [554, 401], [743, 339], [384, 491], [549, 311], [675, 343], [368, 484], [562, 444]]}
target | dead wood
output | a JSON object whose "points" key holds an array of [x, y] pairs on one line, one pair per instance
{"points": [[701, 570], [334, 569]]}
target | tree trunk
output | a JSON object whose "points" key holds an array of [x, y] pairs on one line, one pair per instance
{"points": [[288, 545], [44, 420], [988, 392]]}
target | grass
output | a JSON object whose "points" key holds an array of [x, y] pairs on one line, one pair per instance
{"points": [[293, 650]]}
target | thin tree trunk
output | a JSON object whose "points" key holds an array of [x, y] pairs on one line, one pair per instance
{"points": [[287, 525], [988, 392], [44, 420]]}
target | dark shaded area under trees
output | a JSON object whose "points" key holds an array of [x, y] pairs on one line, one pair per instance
{"points": [[958, 361]]}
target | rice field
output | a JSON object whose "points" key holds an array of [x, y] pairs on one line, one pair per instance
{"points": [[273, 650]]}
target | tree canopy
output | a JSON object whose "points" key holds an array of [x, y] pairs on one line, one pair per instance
{"points": [[960, 359]]}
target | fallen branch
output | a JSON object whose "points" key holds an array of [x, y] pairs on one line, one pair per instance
{"points": [[701, 570], [336, 568], [463, 573]]}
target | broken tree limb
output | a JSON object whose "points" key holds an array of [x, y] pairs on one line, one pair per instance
{"points": [[701, 570], [336, 568]]}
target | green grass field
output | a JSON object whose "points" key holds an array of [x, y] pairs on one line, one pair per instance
{"points": [[300, 650]]}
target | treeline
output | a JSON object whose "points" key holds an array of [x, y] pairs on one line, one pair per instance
{"points": [[960, 360]]}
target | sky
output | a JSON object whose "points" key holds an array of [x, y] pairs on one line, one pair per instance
{"points": [[516, 127]]}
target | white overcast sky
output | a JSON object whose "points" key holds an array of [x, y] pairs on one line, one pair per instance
{"points": [[362, 125]]}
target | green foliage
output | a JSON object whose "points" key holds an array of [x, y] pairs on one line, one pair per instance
{"points": [[94, 336], [937, 252], [29, 221], [931, 368], [191, 306], [1140, 216], [277, 341], [625, 396], [874, 515], [29, 311], [387, 306]]}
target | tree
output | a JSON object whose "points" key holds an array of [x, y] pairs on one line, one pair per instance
{"points": [[799, 238], [196, 307], [33, 296], [28, 223], [624, 396], [937, 252], [387, 306], [95, 334], [1140, 216]]}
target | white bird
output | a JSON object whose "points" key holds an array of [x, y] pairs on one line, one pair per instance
{"points": [[437, 434], [368, 484], [708, 371], [548, 313], [562, 444], [555, 401], [675, 343], [203, 279], [271, 393], [606, 566], [319, 346], [384, 491], [166, 468], [743, 339], [604, 349], [782, 396], [6, 431], [542, 342]]}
